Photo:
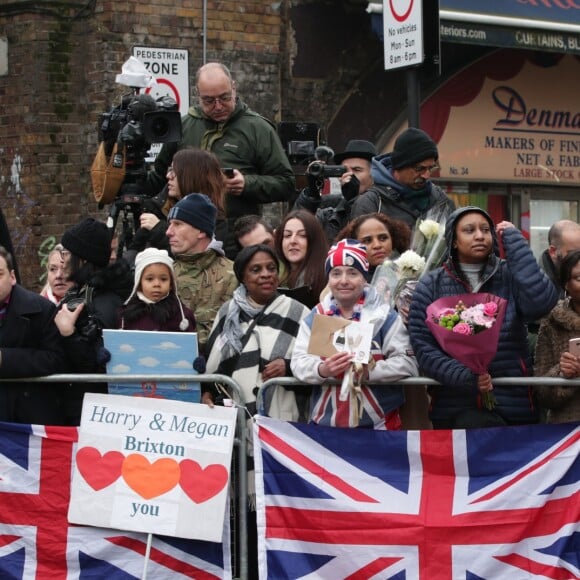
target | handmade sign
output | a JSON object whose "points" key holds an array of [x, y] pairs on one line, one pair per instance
{"points": [[154, 466], [156, 353], [332, 334]]}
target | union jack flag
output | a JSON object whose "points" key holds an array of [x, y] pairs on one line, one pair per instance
{"points": [[37, 542], [360, 504]]}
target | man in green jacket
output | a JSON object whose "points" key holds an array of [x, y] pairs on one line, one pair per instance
{"points": [[242, 139]]}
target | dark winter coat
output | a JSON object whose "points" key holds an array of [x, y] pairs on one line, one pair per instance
{"points": [[31, 346], [85, 351], [156, 237], [529, 294], [164, 315]]}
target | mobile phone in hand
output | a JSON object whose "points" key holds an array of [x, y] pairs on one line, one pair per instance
{"points": [[574, 346], [228, 172]]}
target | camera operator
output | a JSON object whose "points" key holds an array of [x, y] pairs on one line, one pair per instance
{"points": [[241, 139], [356, 158]]}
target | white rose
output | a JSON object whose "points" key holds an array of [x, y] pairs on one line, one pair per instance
{"points": [[411, 262], [429, 228]]}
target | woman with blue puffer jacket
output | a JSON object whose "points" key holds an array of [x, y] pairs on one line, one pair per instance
{"points": [[473, 265]]}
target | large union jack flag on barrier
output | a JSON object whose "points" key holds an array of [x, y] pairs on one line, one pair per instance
{"points": [[37, 542], [501, 503]]}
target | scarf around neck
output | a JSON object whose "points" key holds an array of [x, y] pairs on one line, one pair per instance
{"points": [[334, 309], [232, 330]]}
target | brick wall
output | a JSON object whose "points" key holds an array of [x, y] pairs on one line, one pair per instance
{"points": [[62, 63], [300, 60]]}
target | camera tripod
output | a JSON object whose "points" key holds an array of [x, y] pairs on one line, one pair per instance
{"points": [[128, 205]]}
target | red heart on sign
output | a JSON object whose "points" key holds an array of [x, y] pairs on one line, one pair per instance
{"points": [[99, 471], [202, 484]]}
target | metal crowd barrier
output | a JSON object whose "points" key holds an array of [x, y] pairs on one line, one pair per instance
{"points": [[240, 486], [413, 381], [240, 547]]}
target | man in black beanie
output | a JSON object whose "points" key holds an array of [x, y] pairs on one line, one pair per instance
{"points": [[402, 187]]}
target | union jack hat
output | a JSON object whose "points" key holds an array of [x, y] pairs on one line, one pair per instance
{"points": [[348, 253]]}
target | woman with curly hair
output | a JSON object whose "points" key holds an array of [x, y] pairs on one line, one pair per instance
{"points": [[380, 234], [553, 356], [301, 246]]}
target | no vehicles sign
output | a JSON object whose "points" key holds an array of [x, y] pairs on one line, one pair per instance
{"points": [[170, 67], [403, 33]]}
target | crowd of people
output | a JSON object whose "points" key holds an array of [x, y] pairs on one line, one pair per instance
{"points": [[203, 260]]}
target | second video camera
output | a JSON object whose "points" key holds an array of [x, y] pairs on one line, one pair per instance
{"points": [[319, 169]]}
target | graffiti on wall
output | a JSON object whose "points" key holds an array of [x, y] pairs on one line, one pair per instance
{"points": [[15, 197], [46, 246], [17, 207]]}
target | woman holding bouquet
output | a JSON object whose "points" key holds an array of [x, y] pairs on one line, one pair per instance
{"points": [[390, 354], [472, 266]]}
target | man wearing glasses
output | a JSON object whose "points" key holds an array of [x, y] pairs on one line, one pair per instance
{"points": [[402, 186], [242, 139]]}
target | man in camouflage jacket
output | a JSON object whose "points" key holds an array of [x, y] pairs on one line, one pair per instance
{"points": [[205, 277]]}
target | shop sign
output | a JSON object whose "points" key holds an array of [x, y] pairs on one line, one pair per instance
{"points": [[486, 35], [523, 129]]}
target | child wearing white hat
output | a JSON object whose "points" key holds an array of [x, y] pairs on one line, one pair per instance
{"points": [[154, 303]]}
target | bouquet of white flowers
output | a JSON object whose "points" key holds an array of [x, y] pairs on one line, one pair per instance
{"points": [[396, 279]]}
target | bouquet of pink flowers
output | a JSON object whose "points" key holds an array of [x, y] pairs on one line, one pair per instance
{"points": [[467, 327]]}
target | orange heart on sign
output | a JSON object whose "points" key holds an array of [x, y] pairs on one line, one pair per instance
{"points": [[99, 471], [150, 479], [202, 484]]}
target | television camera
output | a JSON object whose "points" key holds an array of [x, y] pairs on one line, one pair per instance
{"points": [[134, 125]]}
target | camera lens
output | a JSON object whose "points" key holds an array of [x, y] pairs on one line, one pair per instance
{"points": [[160, 127]]}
